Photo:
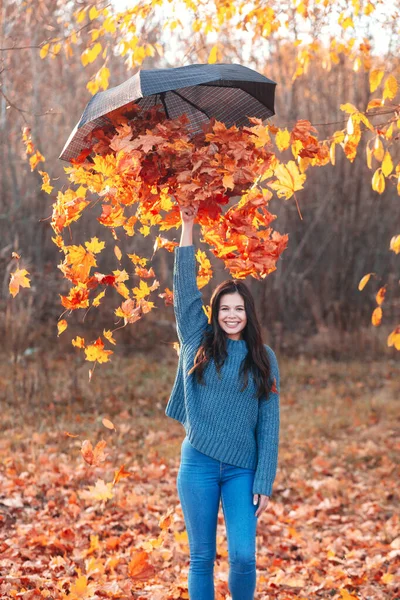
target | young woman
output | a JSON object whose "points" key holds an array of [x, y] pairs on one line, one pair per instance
{"points": [[226, 395]]}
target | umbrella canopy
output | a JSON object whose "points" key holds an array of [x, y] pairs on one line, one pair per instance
{"points": [[229, 92]]}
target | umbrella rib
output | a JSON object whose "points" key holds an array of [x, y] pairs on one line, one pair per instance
{"points": [[162, 96], [191, 103]]}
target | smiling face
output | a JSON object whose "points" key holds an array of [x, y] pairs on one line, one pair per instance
{"points": [[232, 315]]}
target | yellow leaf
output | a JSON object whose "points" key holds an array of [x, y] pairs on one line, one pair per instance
{"points": [[35, 159], [387, 164], [376, 318], [117, 252], [90, 54], [78, 342], [363, 281], [394, 338], [369, 8], [101, 491], [96, 352], [18, 279], [379, 151], [347, 22], [56, 49], [95, 246], [103, 76], [282, 139], [349, 108], [142, 291], [80, 15], [375, 78], [332, 153], [378, 182], [296, 147], [46, 181], [93, 87], [390, 89], [289, 180], [109, 336], [389, 131], [122, 289], [93, 13], [61, 326], [144, 230], [96, 300], [44, 51], [338, 137], [212, 58], [395, 244]]}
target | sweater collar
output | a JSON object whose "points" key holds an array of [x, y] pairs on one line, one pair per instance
{"points": [[235, 345]]}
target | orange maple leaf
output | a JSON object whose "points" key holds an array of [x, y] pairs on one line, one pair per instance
{"points": [[18, 279], [95, 352]]}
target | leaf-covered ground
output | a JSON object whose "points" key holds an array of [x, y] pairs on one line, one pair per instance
{"points": [[331, 529]]}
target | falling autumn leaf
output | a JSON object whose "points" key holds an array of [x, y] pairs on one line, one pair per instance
{"points": [[19, 278], [62, 326], [363, 281], [78, 342], [95, 352], [95, 456], [107, 423], [142, 291], [109, 336], [101, 491], [378, 181], [395, 244], [380, 296], [120, 474], [376, 317], [117, 252], [394, 338]]}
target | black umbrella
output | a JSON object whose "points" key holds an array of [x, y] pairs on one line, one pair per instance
{"points": [[228, 92]]}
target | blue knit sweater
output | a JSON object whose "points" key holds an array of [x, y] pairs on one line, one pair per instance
{"points": [[220, 420]]}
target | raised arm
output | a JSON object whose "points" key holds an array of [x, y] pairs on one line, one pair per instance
{"points": [[188, 303], [267, 432]]}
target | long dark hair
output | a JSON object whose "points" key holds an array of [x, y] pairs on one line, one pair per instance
{"points": [[213, 344]]}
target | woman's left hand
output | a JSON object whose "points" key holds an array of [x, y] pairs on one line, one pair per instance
{"points": [[262, 505]]}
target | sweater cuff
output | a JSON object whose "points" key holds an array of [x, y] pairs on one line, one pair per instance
{"points": [[261, 486]]}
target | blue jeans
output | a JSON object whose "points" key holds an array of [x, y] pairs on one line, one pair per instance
{"points": [[201, 482]]}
